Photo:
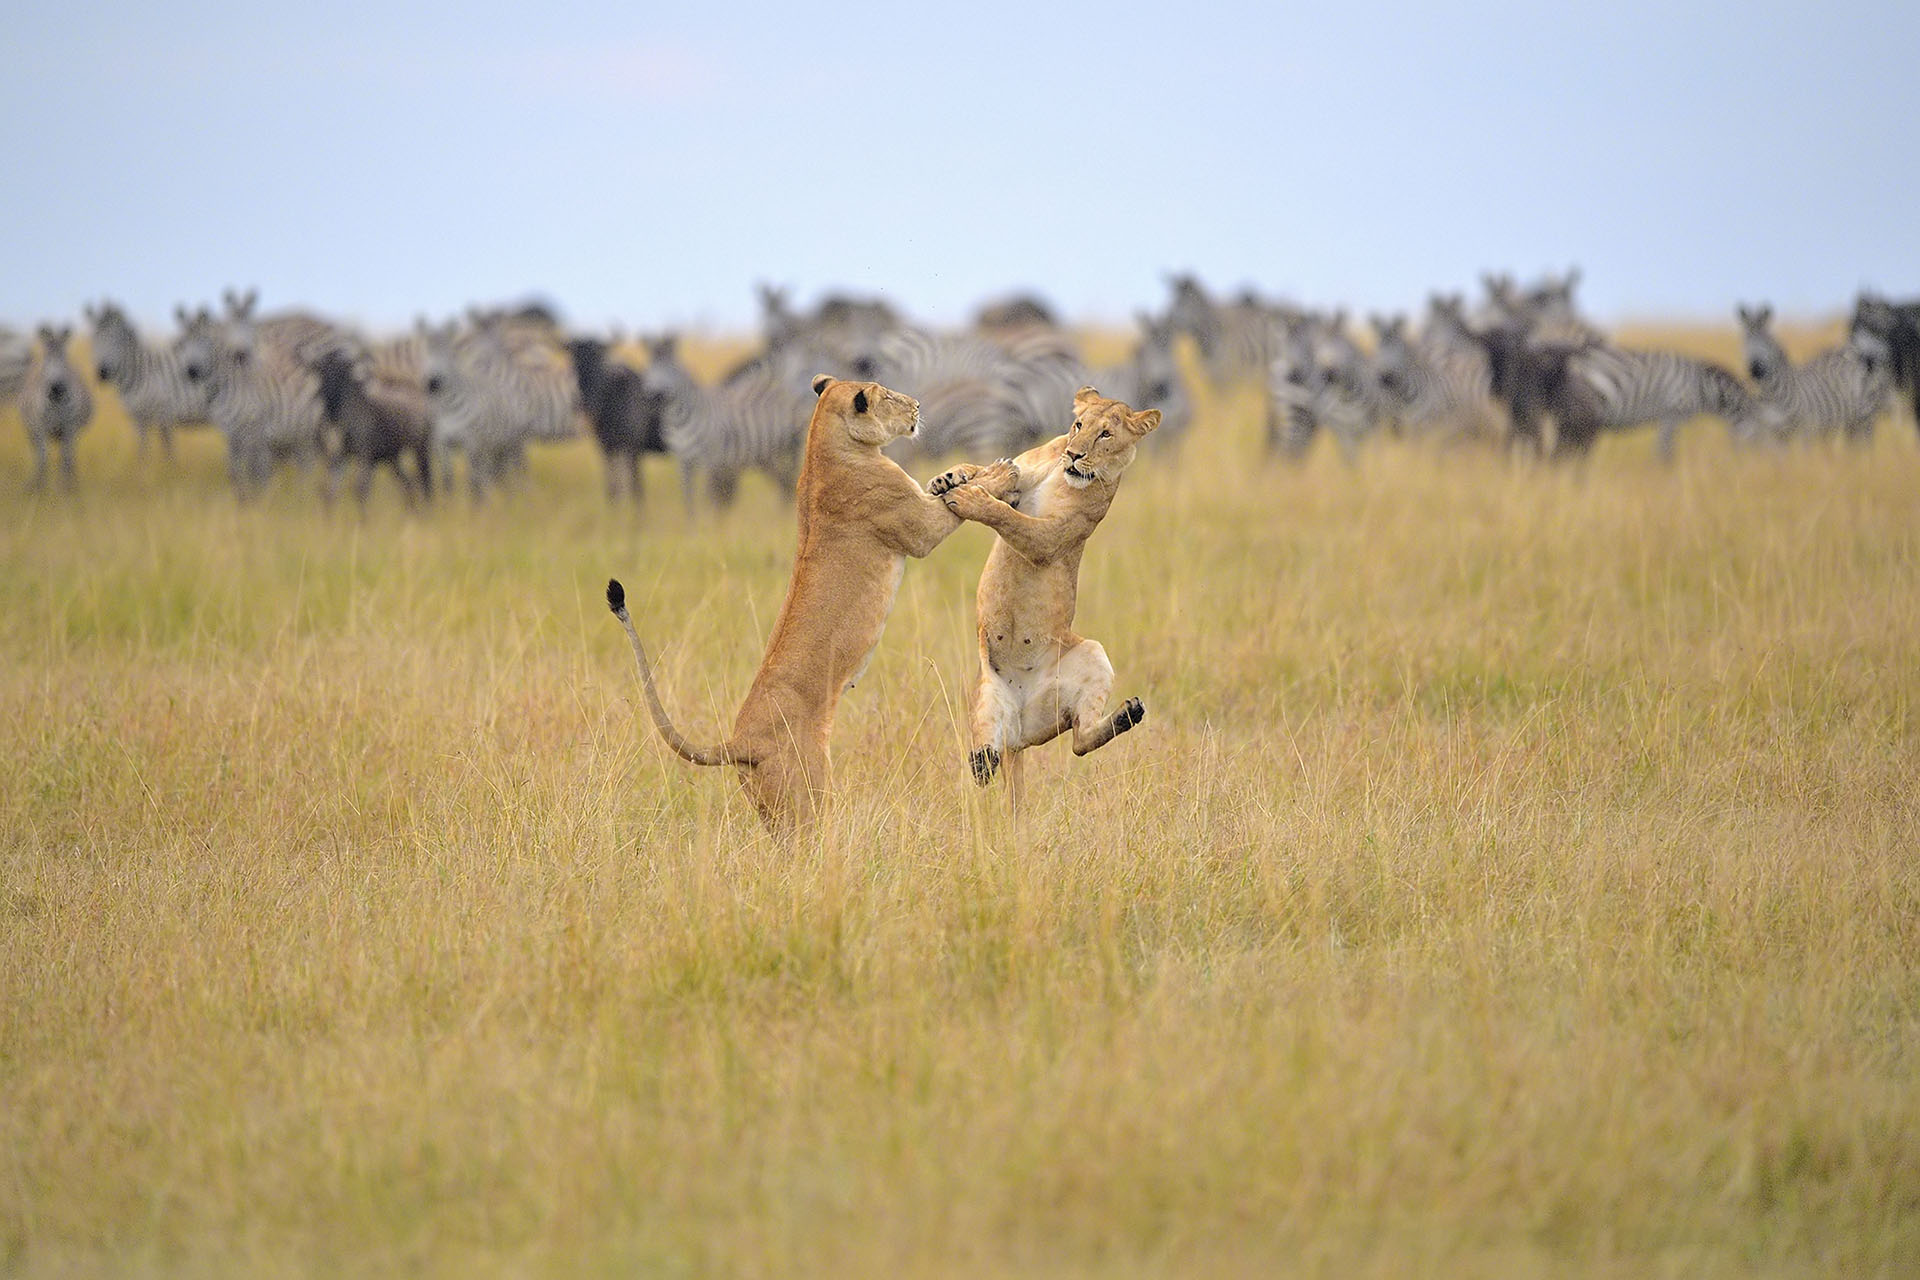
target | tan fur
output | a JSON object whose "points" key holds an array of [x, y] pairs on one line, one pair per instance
{"points": [[860, 517], [1038, 678]]}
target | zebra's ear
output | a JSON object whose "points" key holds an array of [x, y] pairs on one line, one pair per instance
{"points": [[1763, 313], [821, 381]]}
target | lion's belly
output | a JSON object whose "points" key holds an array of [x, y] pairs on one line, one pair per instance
{"points": [[886, 608]]}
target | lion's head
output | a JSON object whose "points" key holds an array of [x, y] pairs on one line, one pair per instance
{"points": [[1100, 445], [868, 412]]}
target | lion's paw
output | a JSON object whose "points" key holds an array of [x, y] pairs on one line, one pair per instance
{"points": [[948, 480], [985, 763]]}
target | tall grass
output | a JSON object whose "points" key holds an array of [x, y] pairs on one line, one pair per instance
{"points": [[1515, 874]]}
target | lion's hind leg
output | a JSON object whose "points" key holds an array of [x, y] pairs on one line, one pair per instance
{"points": [[1083, 681], [996, 723]]}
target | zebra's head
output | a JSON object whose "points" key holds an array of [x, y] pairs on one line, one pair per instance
{"points": [[439, 371], [1873, 333], [198, 346], [57, 385], [1392, 353], [664, 374], [114, 341], [1765, 357]]}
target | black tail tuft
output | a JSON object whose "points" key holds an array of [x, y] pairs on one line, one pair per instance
{"points": [[616, 596]]}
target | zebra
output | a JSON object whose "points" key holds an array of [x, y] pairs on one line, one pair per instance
{"points": [[979, 397], [1436, 387], [1019, 311], [841, 334], [1887, 335], [492, 388], [1150, 378], [55, 404], [1236, 341], [150, 378], [300, 336], [1322, 379], [265, 401], [1838, 390], [1664, 387], [754, 421], [1544, 309], [16, 358]]}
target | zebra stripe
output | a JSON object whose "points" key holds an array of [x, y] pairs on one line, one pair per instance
{"points": [[756, 420], [1238, 342], [265, 402], [1150, 378], [490, 390], [1437, 388], [978, 397], [151, 379], [16, 358], [1322, 380], [1634, 388], [1840, 390]]}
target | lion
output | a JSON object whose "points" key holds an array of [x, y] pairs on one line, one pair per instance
{"points": [[1038, 679], [860, 517]]}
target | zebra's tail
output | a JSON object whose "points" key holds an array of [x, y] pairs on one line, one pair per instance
{"points": [[720, 753]]}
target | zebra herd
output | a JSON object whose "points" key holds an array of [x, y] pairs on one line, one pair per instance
{"points": [[1525, 360], [1522, 367]]}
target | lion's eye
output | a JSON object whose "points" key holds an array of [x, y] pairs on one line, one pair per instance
{"points": [[1104, 434], [1076, 426]]}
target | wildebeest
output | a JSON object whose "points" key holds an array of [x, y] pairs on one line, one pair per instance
{"points": [[626, 415], [372, 422]]}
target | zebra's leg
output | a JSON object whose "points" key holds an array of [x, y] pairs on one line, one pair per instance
{"points": [[67, 477], [1663, 444], [145, 431], [611, 462], [166, 443], [363, 482], [423, 465], [330, 483], [723, 485], [688, 483], [39, 480], [479, 465], [635, 485]]}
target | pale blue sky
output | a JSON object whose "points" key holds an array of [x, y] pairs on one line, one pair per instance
{"points": [[652, 162]]}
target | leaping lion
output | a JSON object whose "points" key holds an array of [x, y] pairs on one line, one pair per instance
{"points": [[860, 517], [1038, 679]]}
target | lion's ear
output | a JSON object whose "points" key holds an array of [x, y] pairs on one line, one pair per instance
{"points": [[1145, 421], [860, 400], [1084, 395], [821, 381]]}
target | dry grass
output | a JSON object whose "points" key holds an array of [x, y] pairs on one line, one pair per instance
{"points": [[1515, 874]]}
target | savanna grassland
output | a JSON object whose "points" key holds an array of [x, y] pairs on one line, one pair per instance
{"points": [[1515, 874]]}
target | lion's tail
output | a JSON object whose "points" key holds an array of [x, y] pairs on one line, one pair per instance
{"points": [[720, 753]]}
